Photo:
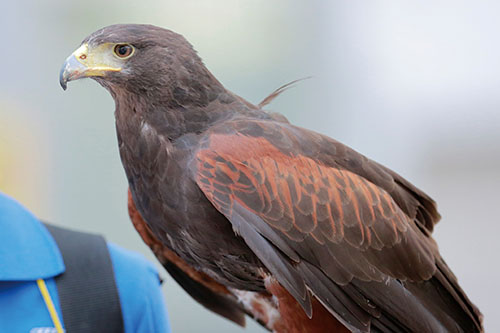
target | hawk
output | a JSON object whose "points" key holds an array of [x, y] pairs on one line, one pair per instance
{"points": [[253, 215]]}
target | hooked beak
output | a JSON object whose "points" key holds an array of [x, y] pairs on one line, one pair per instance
{"points": [[71, 70], [87, 63]]}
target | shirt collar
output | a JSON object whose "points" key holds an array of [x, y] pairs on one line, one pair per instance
{"points": [[27, 250]]}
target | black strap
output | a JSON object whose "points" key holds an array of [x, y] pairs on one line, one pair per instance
{"points": [[87, 291]]}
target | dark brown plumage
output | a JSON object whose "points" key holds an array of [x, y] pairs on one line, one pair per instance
{"points": [[240, 205]]}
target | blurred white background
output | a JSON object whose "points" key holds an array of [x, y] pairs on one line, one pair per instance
{"points": [[413, 85]]}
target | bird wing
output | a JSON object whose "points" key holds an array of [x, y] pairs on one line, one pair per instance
{"points": [[324, 219]]}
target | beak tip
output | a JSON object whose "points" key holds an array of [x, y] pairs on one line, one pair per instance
{"points": [[63, 80]]}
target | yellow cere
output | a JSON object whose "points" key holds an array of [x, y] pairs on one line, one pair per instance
{"points": [[99, 59]]}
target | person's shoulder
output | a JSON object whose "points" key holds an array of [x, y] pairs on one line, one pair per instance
{"points": [[130, 262], [138, 285]]}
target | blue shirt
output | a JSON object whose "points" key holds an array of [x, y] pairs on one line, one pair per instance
{"points": [[28, 252]]}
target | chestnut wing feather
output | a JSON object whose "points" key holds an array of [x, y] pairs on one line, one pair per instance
{"points": [[318, 206], [324, 218]]}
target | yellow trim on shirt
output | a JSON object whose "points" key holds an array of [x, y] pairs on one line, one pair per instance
{"points": [[50, 305]]}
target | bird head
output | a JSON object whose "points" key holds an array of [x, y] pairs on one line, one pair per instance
{"points": [[136, 58]]}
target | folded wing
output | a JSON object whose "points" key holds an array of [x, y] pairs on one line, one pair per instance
{"points": [[326, 220]]}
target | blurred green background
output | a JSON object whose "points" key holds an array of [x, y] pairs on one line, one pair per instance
{"points": [[414, 86]]}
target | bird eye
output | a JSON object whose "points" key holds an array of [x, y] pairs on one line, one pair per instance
{"points": [[123, 50]]}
